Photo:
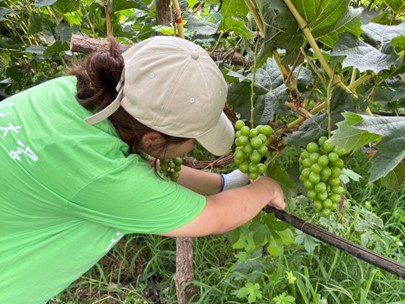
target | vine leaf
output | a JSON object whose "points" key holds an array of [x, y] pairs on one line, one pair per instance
{"points": [[232, 11], [348, 137], [395, 178], [326, 18], [233, 24], [200, 27], [317, 125], [270, 93], [234, 8], [381, 34], [283, 179], [363, 56], [329, 18], [390, 131], [119, 5]]}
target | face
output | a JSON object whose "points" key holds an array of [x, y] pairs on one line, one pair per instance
{"points": [[179, 149], [152, 143]]}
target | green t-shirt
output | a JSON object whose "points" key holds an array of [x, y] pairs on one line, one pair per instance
{"points": [[69, 192]]}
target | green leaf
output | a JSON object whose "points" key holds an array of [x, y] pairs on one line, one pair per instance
{"points": [[329, 18], [350, 138], [200, 27], [287, 236], [326, 19], [281, 29], [283, 179], [308, 241], [41, 3], [119, 5], [363, 56], [64, 32], [35, 24], [348, 175], [233, 24], [234, 8], [36, 49], [270, 94], [56, 48], [381, 34], [398, 43], [391, 90], [275, 247], [391, 148], [251, 291], [317, 125], [64, 6], [394, 179], [398, 6]]}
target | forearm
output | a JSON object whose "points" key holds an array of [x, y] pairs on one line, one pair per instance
{"points": [[205, 183], [240, 205], [230, 209]]}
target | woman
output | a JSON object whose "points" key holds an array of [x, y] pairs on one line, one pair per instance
{"points": [[72, 177]]}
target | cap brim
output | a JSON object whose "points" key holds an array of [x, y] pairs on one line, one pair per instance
{"points": [[219, 139]]}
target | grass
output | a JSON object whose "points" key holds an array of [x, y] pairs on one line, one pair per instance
{"points": [[140, 268]]}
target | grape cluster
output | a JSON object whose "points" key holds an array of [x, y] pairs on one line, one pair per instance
{"points": [[251, 148], [171, 167], [320, 168]]}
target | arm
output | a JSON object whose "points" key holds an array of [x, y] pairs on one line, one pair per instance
{"points": [[230, 209], [202, 182]]}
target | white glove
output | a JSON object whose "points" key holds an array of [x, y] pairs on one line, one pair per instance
{"points": [[234, 179]]}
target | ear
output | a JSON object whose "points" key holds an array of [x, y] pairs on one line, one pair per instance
{"points": [[152, 139]]}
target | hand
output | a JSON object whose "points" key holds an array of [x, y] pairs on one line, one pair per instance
{"points": [[277, 196]]}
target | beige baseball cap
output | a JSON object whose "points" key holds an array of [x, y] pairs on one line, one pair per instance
{"points": [[173, 86]]}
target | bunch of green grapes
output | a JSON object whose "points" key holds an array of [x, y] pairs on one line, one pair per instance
{"points": [[171, 167], [320, 167], [251, 148]]}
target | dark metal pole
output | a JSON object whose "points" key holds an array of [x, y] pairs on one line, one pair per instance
{"points": [[340, 243]]}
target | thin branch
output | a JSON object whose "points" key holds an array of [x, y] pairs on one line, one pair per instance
{"points": [[177, 18]]}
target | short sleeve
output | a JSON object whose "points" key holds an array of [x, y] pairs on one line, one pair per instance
{"points": [[134, 199]]}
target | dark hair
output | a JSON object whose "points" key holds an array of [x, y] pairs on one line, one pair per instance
{"points": [[97, 78]]}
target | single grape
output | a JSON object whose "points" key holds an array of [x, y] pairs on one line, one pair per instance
{"points": [[314, 156], [254, 132], [312, 147], [255, 157], [306, 172], [314, 178], [261, 168], [239, 124], [321, 140], [266, 130], [316, 168], [320, 187], [327, 203], [312, 194], [256, 142], [323, 161], [245, 130], [244, 167], [328, 146]]}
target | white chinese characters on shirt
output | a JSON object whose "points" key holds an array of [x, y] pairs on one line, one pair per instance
{"points": [[5, 129]]}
